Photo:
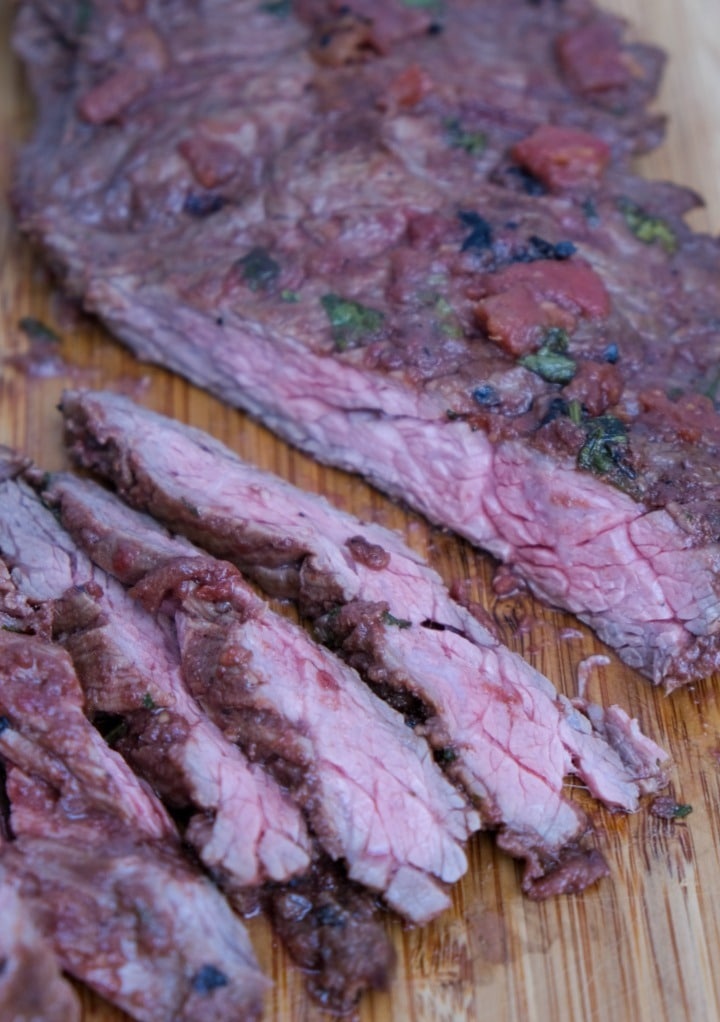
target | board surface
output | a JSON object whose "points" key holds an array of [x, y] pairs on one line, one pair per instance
{"points": [[640, 945]]}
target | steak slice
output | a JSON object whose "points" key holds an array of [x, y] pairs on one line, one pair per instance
{"points": [[122, 908], [242, 826], [373, 793], [407, 270], [32, 987], [486, 712]]}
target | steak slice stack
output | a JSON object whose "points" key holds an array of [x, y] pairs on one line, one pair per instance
{"points": [[97, 860], [409, 242], [498, 726], [242, 826], [369, 786]]}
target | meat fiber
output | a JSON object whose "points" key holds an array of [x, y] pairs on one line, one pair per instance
{"points": [[410, 244], [371, 789], [32, 988], [498, 726], [242, 826], [100, 864]]}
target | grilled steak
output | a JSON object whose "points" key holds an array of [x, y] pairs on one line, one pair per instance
{"points": [[413, 248], [241, 825], [99, 862], [243, 828], [486, 712], [371, 789], [31, 985]]}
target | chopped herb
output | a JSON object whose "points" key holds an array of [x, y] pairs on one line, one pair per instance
{"points": [[202, 204], [289, 296], [4, 724], [550, 361], [36, 330], [148, 702], [83, 16], [259, 269], [10, 628], [446, 318], [423, 3], [667, 808], [611, 353], [472, 142], [116, 733], [351, 322], [647, 228], [486, 395], [575, 411], [396, 622], [207, 979], [682, 809], [480, 236], [280, 8], [605, 446]]}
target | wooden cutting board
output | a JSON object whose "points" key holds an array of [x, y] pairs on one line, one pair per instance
{"points": [[642, 944]]}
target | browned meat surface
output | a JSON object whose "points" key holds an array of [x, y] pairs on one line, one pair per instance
{"points": [[100, 863], [32, 988], [498, 727], [407, 239]]}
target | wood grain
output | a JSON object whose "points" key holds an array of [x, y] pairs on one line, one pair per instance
{"points": [[640, 945]]}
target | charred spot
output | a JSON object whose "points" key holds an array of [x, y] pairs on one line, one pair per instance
{"points": [[328, 915], [557, 407], [539, 248], [480, 236], [525, 181], [207, 979], [202, 204]]}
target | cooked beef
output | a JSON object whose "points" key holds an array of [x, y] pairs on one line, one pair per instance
{"points": [[371, 789], [242, 826], [32, 988], [486, 712], [104, 876], [414, 249]]}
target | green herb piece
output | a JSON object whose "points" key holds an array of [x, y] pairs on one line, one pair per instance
{"points": [[280, 8], [259, 269], [289, 296], [575, 411], [148, 702], [116, 733], [83, 16], [396, 622], [36, 330], [550, 360], [591, 214], [351, 322], [682, 809], [646, 228], [472, 142], [431, 4], [447, 321], [605, 445]]}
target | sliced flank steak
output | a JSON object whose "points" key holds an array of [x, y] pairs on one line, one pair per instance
{"points": [[244, 828], [499, 728]]}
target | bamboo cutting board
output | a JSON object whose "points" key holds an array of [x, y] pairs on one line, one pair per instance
{"points": [[640, 945]]}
